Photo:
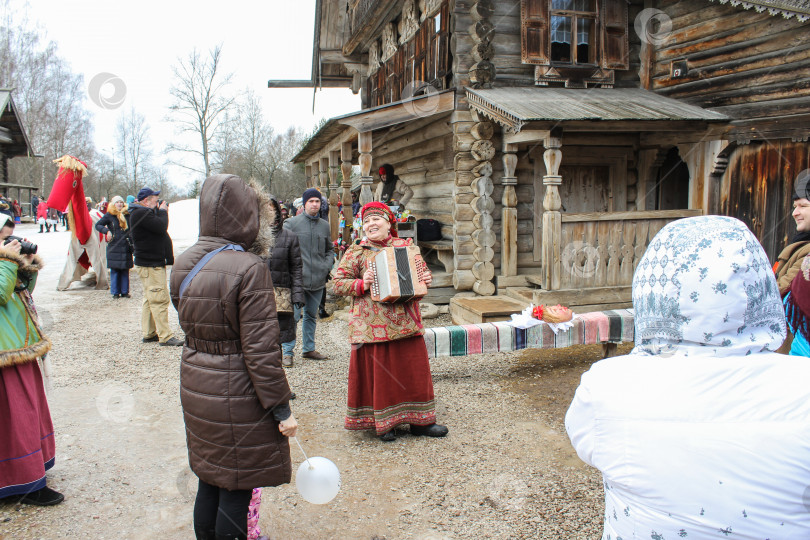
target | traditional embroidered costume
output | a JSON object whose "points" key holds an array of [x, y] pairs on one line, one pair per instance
{"points": [[27, 446], [389, 372]]}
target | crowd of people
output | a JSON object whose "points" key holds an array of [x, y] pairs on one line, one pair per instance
{"points": [[702, 430]]}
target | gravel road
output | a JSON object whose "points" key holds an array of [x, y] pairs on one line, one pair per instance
{"points": [[506, 470]]}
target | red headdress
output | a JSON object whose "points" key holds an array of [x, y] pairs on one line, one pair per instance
{"points": [[67, 188], [380, 209]]}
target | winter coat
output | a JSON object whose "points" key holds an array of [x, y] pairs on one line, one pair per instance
{"points": [[42, 212], [314, 238], [150, 236], [788, 264], [231, 375], [701, 415], [21, 339], [286, 268], [119, 252]]}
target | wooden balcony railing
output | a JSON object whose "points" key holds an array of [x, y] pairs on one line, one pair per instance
{"points": [[603, 249]]}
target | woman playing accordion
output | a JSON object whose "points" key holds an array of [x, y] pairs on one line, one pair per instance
{"points": [[389, 372]]}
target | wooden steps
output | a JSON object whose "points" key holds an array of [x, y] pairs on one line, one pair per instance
{"points": [[482, 309]]}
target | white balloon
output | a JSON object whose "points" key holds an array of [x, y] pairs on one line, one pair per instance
{"points": [[318, 480]]}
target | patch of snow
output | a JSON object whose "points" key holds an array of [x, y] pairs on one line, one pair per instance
{"points": [[184, 224]]}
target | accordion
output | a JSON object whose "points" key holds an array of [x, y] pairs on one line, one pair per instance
{"points": [[397, 276]]}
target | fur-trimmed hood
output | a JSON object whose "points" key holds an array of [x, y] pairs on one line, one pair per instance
{"points": [[237, 211]]}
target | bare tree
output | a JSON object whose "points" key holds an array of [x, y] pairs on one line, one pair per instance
{"points": [[50, 98], [199, 100], [132, 140], [248, 146]]}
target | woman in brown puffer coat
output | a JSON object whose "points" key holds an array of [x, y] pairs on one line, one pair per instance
{"points": [[233, 389]]}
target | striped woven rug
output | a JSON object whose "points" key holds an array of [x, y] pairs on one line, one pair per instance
{"points": [[614, 326]]}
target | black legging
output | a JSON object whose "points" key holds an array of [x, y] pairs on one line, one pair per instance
{"points": [[221, 510]]}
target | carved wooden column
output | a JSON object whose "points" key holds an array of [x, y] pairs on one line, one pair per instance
{"points": [[314, 180], [509, 217], [364, 146], [482, 151], [346, 169], [323, 185], [552, 219], [334, 214]]}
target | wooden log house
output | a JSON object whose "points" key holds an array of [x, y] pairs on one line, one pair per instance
{"points": [[554, 138], [13, 143]]}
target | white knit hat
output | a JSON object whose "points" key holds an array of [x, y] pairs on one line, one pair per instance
{"points": [[5, 219]]}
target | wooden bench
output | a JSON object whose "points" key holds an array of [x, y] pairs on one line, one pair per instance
{"points": [[606, 328], [442, 250]]}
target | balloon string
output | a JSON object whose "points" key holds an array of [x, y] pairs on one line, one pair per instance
{"points": [[302, 451]]}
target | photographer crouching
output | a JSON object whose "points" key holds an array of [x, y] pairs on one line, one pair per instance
{"points": [[27, 446]]}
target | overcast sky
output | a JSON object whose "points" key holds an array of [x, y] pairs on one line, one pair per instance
{"points": [[139, 42]]}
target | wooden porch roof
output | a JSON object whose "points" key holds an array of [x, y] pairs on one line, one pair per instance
{"points": [[376, 118], [515, 107], [13, 138]]}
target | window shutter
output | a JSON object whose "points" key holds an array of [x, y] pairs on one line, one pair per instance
{"points": [[534, 38], [615, 45]]}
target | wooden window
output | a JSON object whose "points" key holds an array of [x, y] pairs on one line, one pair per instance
{"points": [[574, 33], [422, 61]]}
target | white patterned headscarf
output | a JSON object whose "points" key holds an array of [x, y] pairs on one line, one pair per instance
{"points": [[705, 287]]}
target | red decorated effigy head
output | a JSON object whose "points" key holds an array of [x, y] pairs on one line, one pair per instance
{"points": [[67, 188]]}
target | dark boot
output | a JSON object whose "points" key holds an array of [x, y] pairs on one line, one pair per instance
{"points": [[388, 436], [43, 497], [204, 532], [40, 228], [433, 430]]}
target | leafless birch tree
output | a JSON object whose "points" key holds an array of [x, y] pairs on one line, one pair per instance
{"points": [[133, 145], [199, 100]]}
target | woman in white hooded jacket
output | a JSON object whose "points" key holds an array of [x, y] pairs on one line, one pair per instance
{"points": [[702, 431]]}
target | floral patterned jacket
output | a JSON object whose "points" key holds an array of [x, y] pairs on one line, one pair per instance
{"points": [[374, 322]]}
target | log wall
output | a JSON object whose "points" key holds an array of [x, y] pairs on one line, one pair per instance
{"points": [[753, 67], [754, 189], [422, 156]]}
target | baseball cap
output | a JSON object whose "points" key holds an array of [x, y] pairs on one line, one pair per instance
{"points": [[146, 192]]}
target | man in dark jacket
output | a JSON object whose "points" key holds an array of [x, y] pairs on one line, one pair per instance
{"points": [[149, 222], [317, 256]]}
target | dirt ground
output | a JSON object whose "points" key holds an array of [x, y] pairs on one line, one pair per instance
{"points": [[506, 470]]}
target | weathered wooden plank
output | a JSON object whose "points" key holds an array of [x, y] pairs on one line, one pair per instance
{"points": [[579, 297], [619, 216]]}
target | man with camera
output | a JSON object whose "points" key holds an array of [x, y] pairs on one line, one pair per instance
{"points": [[149, 221]]}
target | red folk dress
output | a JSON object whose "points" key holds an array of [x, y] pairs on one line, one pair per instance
{"points": [[27, 447], [389, 372]]}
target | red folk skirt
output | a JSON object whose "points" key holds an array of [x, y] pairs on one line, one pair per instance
{"points": [[389, 385], [27, 447]]}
